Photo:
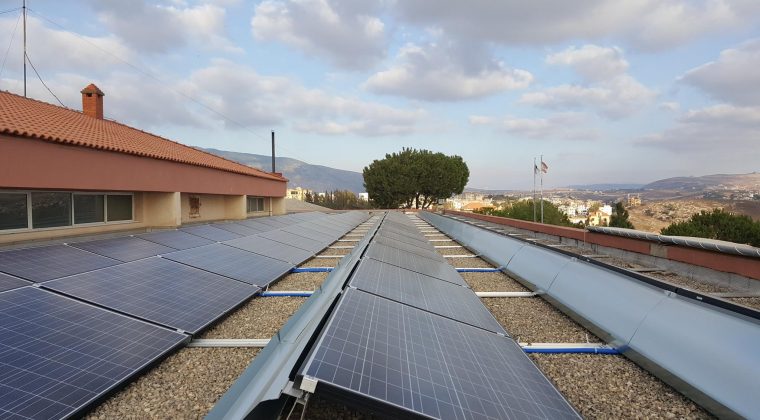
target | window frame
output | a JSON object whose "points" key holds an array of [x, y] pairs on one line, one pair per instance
{"points": [[257, 198], [29, 225]]}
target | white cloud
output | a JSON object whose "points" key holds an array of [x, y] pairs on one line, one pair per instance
{"points": [[562, 126], [719, 132], [669, 106], [255, 100], [446, 73], [592, 62], [608, 89], [733, 77], [345, 32], [156, 28], [648, 24]]}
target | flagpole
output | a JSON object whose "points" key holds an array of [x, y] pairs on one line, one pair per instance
{"points": [[534, 188], [542, 188]]}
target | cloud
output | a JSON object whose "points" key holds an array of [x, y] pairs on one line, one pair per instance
{"points": [[608, 89], [563, 126], [733, 77], [346, 33], [592, 62], [156, 28], [446, 73], [647, 24], [252, 99], [726, 131], [53, 50], [669, 106]]}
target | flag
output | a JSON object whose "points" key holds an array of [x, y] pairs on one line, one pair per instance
{"points": [[544, 167]]}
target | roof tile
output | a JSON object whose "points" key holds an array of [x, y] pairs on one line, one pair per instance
{"points": [[30, 118]]}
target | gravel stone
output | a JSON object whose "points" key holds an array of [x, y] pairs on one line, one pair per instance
{"points": [[533, 320], [340, 251], [444, 243], [184, 386], [322, 262], [454, 251], [493, 282], [261, 317], [753, 302], [613, 387], [692, 284], [325, 409], [302, 281], [469, 262]]}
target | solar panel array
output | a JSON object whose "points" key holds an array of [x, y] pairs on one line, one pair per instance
{"points": [[409, 339], [57, 355]]}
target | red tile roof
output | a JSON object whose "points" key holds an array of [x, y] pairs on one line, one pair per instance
{"points": [[30, 118]]}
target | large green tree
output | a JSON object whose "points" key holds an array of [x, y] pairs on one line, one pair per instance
{"points": [[414, 178], [718, 224], [523, 210], [619, 217]]}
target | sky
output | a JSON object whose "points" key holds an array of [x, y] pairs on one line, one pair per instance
{"points": [[607, 91]]}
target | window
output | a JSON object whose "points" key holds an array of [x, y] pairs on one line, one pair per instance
{"points": [[119, 207], [89, 208], [254, 204], [13, 211], [51, 209]]}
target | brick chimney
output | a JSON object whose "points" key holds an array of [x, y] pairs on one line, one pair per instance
{"points": [[92, 101]]}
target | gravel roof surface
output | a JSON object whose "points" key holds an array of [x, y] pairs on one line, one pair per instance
{"points": [[261, 317], [323, 262], [336, 251], [303, 281], [689, 283], [493, 282], [325, 409], [613, 387], [469, 262], [753, 302], [184, 386], [533, 320], [454, 251]]}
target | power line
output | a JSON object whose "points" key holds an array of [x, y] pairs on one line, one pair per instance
{"points": [[10, 10], [43, 82], [13, 36], [156, 78]]}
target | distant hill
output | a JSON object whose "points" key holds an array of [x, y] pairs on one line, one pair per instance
{"points": [[708, 182], [301, 174], [606, 187]]}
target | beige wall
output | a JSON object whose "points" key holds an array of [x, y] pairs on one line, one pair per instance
{"points": [[213, 207], [278, 206]]}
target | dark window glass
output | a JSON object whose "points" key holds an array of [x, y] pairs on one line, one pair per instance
{"points": [[119, 207], [88, 208], [255, 204], [51, 209], [13, 212]]}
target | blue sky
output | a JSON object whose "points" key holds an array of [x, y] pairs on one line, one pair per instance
{"points": [[607, 91]]}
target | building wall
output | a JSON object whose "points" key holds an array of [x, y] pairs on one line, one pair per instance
{"points": [[36, 164]]}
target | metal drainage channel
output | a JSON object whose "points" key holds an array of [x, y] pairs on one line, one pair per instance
{"points": [[676, 334]]}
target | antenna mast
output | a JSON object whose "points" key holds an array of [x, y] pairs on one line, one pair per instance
{"points": [[23, 7]]}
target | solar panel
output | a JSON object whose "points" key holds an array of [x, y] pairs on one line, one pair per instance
{"points": [[233, 262], [256, 225], [271, 221], [321, 237], [210, 232], [238, 228], [291, 239], [58, 355], [272, 249], [124, 249], [424, 292], [50, 262], [159, 290], [428, 365], [399, 258], [9, 282], [416, 241], [175, 239], [414, 249]]}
